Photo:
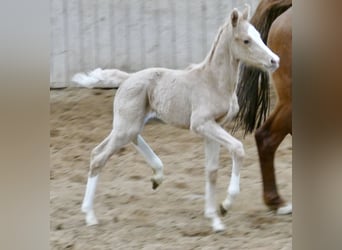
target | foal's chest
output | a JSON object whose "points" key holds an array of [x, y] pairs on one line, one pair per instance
{"points": [[221, 107]]}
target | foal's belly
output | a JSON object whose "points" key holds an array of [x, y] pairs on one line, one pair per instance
{"points": [[172, 105]]}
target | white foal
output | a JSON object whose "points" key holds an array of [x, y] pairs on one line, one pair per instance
{"points": [[201, 98]]}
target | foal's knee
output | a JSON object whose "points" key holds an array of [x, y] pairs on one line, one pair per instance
{"points": [[238, 150]]}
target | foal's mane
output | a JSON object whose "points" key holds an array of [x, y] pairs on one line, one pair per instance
{"points": [[214, 45], [253, 89], [213, 48]]}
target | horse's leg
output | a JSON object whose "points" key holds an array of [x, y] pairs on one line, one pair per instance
{"points": [[152, 159], [212, 154], [129, 112], [234, 185], [213, 131], [99, 156], [87, 205], [268, 137]]}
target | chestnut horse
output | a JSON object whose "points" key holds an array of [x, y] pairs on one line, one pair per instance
{"points": [[273, 20]]}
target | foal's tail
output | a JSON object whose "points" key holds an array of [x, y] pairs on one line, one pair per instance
{"points": [[253, 86], [101, 78]]}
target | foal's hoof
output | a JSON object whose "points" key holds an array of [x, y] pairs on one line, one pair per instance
{"points": [[223, 211], [218, 227], [156, 181], [155, 185], [284, 210], [91, 219]]}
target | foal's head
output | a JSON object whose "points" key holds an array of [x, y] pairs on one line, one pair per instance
{"points": [[246, 44]]}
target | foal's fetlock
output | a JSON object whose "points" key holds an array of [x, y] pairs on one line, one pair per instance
{"points": [[217, 225], [226, 205], [90, 217]]}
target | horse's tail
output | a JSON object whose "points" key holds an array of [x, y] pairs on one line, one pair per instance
{"points": [[253, 89], [101, 78]]}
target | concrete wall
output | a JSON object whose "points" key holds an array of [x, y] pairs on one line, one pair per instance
{"points": [[132, 34]]}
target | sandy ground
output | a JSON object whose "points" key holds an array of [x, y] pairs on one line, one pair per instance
{"points": [[131, 214]]}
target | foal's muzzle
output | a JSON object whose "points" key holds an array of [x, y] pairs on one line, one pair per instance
{"points": [[273, 64]]}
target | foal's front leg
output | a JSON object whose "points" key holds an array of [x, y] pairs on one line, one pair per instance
{"points": [[212, 154], [211, 130]]}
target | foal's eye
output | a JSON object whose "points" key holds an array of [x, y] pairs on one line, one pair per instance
{"points": [[246, 41]]}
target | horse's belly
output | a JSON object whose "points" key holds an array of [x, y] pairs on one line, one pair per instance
{"points": [[172, 107], [179, 119]]}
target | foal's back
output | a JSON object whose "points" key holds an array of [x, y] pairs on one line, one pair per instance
{"points": [[164, 91]]}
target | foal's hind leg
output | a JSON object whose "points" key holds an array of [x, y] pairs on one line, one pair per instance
{"points": [[268, 138], [88, 200], [99, 157], [152, 159], [129, 112]]}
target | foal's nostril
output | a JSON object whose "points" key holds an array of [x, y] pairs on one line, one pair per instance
{"points": [[274, 63]]}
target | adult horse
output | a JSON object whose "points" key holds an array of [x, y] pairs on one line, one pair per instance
{"points": [[200, 98], [273, 20]]}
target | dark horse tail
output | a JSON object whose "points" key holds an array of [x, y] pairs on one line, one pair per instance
{"points": [[253, 89]]}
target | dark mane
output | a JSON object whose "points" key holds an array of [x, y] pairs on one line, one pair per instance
{"points": [[253, 90]]}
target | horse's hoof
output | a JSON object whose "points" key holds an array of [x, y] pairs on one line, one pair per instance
{"points": [[156, 181], [219, 230], [284, 210], [218, 227], [91, 220], [223, 211], [155, 185], [90, 216]]}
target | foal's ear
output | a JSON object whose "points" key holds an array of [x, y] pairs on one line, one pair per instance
{"points": [[246, 12], [234, 17]]}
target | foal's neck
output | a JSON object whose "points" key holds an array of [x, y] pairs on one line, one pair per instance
{"points": [[220, 61]]}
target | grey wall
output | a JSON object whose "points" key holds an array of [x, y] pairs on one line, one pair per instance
{"points": [[132, 34]]}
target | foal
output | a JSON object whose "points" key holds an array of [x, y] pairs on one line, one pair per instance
{"points": [[200, 98]]}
